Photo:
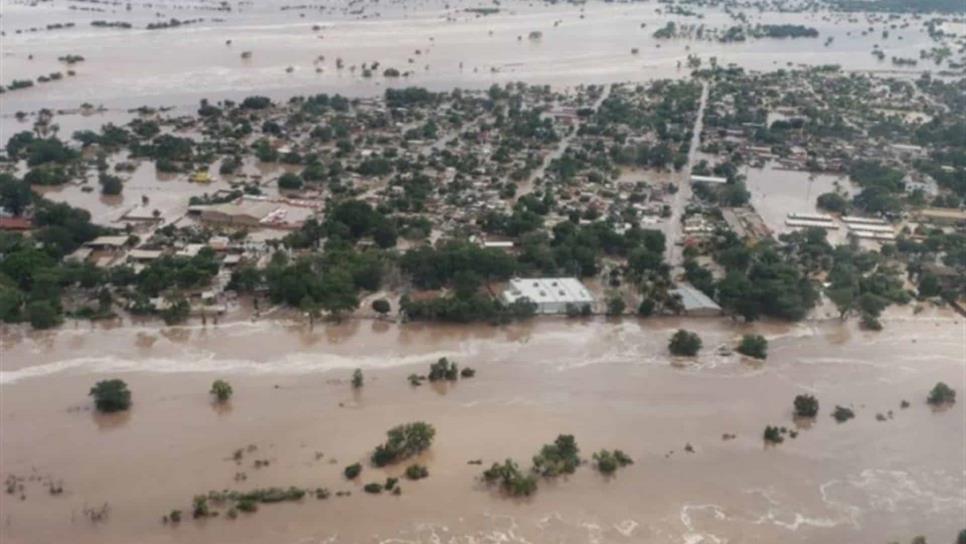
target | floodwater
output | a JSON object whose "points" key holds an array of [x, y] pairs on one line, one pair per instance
{"points": [[776, 192], [448, 46], [610, 383]]}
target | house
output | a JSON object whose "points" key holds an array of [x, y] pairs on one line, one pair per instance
{"points": [[551, 295], [16, 223]]}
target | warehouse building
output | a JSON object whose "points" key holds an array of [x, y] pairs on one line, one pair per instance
{"points": [[551, 295], [696, 303]]}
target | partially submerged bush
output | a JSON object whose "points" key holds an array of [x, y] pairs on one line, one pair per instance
{"points": [[684, 343], [416, 472], [111, 396], [221, 390], [843, 414], [806, 406], [753, 345], [941, 394], [404, 441], [352, 471], [608, 462], [773, 435], [510, 478], [443, 369], [561, 457]]}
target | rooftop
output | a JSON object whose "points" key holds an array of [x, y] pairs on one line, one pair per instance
{"points": [[548, 290]]}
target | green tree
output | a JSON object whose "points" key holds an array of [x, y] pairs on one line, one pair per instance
{"points": [[941, 394], [221, 390], [352, 471], [404, 441], [290, 181], [684, 343], [357, 379], [806, 406], [111, 396], [110, 185], [43, 314], [753, 345]]}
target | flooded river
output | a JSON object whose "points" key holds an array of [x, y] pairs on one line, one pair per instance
{"points": [[442, 45], [611, 384]]}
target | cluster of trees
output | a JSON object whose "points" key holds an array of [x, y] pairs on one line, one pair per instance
{"points": [[32, 275], [608, 461], [762, 280], [882, 186], [404, 441], [560, 457], [863, 281]]}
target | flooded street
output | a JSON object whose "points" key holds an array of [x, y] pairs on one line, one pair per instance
{"points": [[611, 384]]}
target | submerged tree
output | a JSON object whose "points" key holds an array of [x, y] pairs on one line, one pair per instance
{"points": [[221, 390], [941, 394], [806, 406], [111, 396], [684, 343], [404, 441], [753, 345]]}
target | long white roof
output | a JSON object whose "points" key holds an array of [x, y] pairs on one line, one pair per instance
{"points": [[547, 290]]}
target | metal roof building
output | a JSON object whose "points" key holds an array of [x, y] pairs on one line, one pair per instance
{"points": [[551, 295], [695, 302]]}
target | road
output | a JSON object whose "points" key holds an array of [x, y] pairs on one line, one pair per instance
{"points": [[528, 186], [673, 229]]}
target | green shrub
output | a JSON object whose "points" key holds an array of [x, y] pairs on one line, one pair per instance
{"points": [[843, 414], [352, 471], [416, 472], [111, 396], [684, 344], [221, 390], [753, 345], [773, 435], [941, 394], [404, 441], [510, 479], [608, 462], [443, 369], [806, 406], [561, 457], [372, 488]]}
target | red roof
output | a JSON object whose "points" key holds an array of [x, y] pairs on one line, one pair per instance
{"points": [[15, 223]]}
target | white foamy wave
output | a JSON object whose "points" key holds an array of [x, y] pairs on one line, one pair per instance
{"points": [[296, 363], [693, 535]]}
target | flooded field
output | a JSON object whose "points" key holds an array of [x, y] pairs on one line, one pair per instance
{"points": [[609, 383], [776, 192], [443, 46]]}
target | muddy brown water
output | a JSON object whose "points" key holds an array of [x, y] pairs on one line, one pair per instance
{"points": [[610, 383]]}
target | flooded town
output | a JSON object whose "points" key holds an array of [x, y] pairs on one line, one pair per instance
{"points": [[477, 272]]}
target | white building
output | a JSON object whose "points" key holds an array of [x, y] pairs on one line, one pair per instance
{"points": [[551, 295]]}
